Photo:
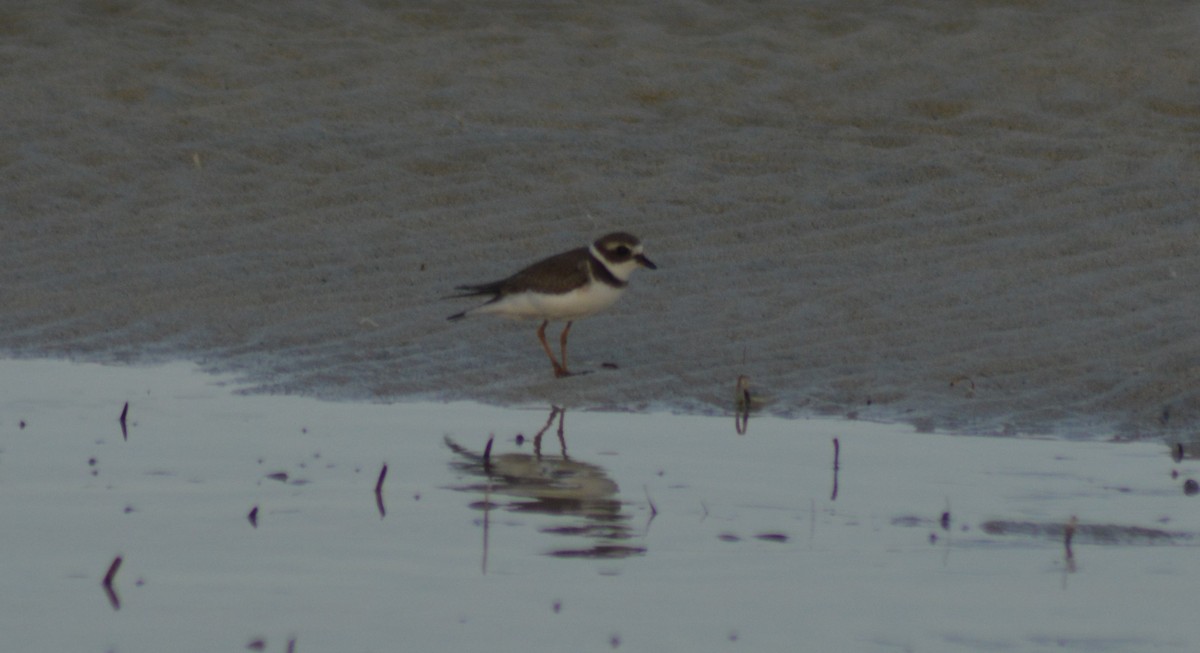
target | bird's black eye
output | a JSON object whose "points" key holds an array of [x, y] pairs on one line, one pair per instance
{"points": [[623, 251]]}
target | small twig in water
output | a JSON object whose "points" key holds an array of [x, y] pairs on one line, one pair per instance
{"points": [[487, 455], [379, 492], [253, 516], [653, 508], [124, 429], [487, 509], [837, 453], [112, 571], [113, 599], [379, 483]]}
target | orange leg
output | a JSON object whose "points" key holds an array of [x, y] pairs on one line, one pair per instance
{"points": [[563, 341], [559, 370]]}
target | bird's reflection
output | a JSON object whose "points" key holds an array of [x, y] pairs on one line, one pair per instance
{"points": [[579, 493]]}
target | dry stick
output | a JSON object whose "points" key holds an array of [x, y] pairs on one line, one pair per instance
{"points": [[379, 492], [742, 391], [741, 421]]}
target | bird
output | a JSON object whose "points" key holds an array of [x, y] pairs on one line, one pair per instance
{"points": [[566, 286]]}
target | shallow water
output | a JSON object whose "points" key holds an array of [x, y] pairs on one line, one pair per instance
{"points": [[632, 531]]}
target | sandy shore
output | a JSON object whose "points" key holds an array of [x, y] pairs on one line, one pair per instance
{"points": [[976, 216]]}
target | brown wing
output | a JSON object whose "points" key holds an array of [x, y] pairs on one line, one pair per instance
{"points": [[558, 274]]}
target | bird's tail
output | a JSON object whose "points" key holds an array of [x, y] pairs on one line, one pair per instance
{"points": [[478, 290]]}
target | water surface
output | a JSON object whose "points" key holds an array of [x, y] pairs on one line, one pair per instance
{"points": [[631, 531]]}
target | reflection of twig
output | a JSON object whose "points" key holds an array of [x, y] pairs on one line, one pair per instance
{"points": [[487, 507], [812, 520], [379, 491], [113, 599], [1068, 535]]}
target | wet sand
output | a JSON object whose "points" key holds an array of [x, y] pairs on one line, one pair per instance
{"points": [[968, 216]]}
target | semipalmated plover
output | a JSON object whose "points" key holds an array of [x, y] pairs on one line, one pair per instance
{"points": [[565, 286]]}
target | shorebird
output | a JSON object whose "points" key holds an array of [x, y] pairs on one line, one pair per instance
{"points": [[565, 286]]}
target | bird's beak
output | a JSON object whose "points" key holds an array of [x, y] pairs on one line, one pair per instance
{"points": [[645, 262]]}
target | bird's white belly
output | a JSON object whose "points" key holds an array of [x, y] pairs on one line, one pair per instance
{"points": [[567, 306]]}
